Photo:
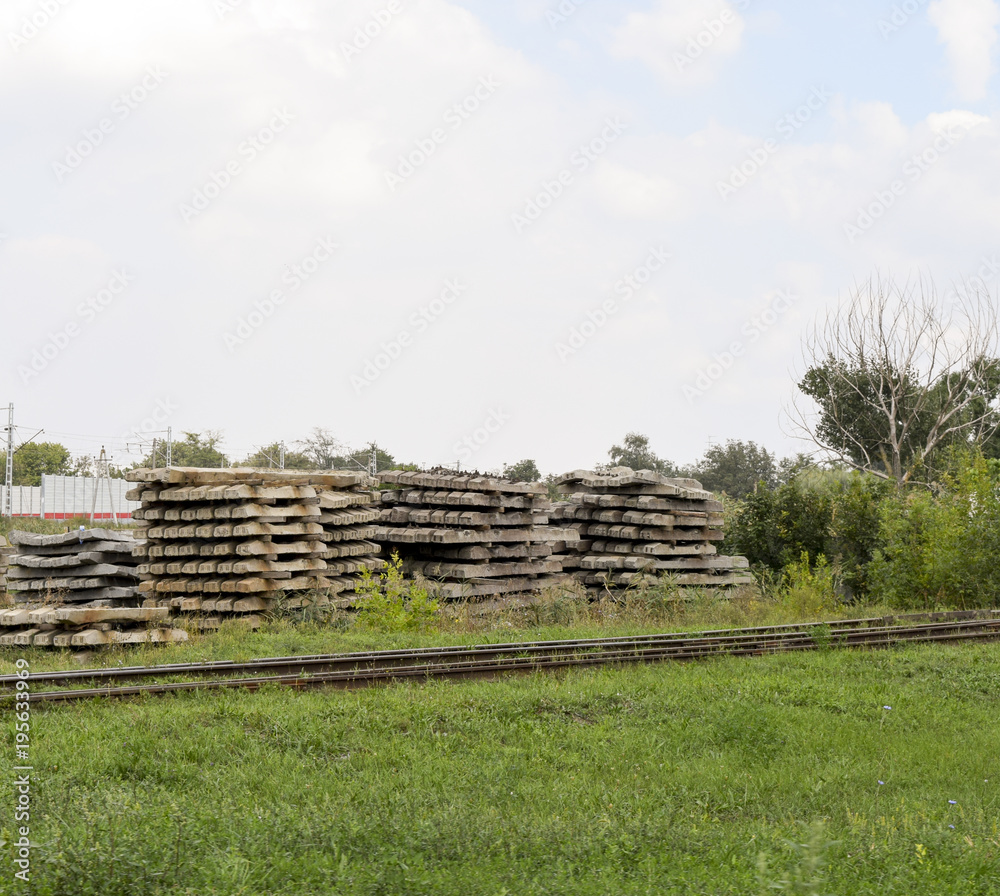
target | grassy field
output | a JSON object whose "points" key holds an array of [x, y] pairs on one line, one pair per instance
{"points": [[785, 773]]}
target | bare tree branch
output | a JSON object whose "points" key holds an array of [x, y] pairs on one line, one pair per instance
{"points": [[897, 374]]}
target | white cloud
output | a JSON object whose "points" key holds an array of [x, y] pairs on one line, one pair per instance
{"points": [[324, 174], [967, 28], [681, 40]]}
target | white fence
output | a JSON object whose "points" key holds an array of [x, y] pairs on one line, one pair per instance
{"points": [[64, 497], [25, 500]]}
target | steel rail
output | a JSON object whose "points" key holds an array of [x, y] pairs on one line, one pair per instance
{"points": [[306, 661], [363, 669]]}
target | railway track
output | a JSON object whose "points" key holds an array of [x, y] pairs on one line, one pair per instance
{"points": [[492, 660]]}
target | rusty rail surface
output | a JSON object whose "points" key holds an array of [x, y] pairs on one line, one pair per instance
{"points": [[363, 669]]}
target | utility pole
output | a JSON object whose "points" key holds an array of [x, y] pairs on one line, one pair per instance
{"points": [[170, 446], [374, 461], [153, 461], [103, 476], [281, 456], [8, 509]]}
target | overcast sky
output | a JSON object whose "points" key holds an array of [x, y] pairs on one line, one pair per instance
{"points": [[474, 231]]}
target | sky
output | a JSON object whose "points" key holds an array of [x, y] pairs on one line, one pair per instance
{"points": [[471, 232]]}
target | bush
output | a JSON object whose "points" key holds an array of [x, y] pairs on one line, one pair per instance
{"points": [[388, 603], [818, 513], [808, 589], [942, 549]]}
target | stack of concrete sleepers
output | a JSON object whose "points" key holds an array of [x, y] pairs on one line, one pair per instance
{"points": [[225, 542], [471, 536], [6, 550], [636, 525], [78, 589]]}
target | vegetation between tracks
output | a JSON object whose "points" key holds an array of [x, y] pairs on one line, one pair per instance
{"points": [[730, 776]]}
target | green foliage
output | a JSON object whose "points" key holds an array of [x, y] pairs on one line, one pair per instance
{"points": [[942, 549], [390, 603], [635, 452], [194, 450], [362, 458], [808, 588], [736, 468], [34, 459], [830, 513], [805, 873], [270, 457], [523, 471], [321, 448], [853, 396], [47, 527]]}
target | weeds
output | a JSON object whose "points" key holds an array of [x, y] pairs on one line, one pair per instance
{"points": [[389, 603]]}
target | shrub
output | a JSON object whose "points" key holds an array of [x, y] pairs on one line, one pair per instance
{"points": [[389, 603], [828, 513], [942, 549]]}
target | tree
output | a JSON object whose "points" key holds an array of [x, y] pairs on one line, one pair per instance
{"points": [[736, 467], [523, 471], [194, 450], [898, 377], [635, 452], [362, 458], [35, 459], [322, 448], [270, 457]]}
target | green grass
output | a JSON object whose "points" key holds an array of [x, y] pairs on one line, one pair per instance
{"points": [[739, 776], [555, 617], [50, 527]]}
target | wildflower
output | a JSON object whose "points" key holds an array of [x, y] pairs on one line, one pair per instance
{"points": [[881, 782], [952, 826], [952, 802], [886, 707]]}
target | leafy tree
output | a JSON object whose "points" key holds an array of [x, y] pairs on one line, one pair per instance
{"points": [[523, 471], [194, 450], [635, 452], [790, 467], [736, 467], [897, 377], [322, 448], [33, 459], [270, 457], [362, 458]]}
